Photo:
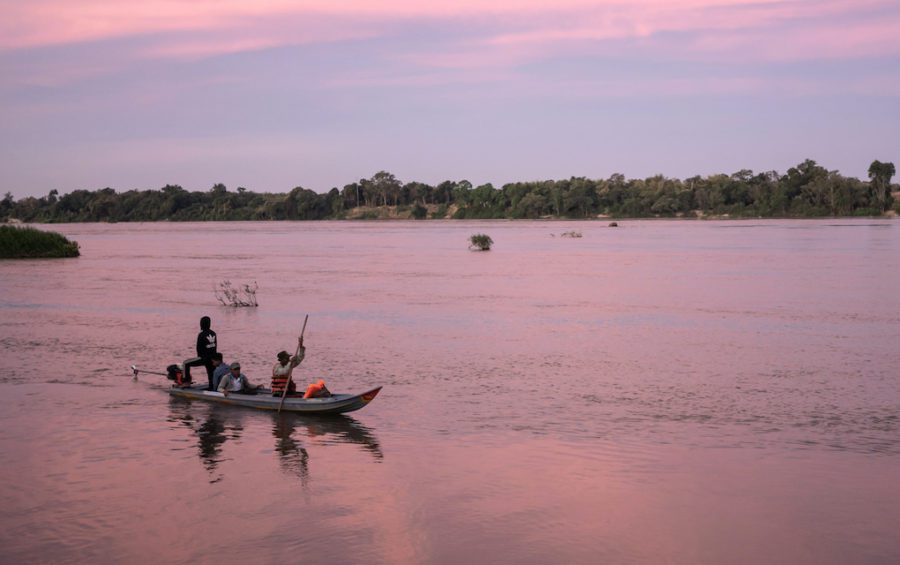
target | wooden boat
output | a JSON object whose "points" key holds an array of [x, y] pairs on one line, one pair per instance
{"points": [[263, 400]]}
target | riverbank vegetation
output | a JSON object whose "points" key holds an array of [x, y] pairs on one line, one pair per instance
{"points": [[30, 243], [807, 190]]}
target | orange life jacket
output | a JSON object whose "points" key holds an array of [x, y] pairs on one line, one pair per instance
{"points": [[278, 383], [315, 389]]}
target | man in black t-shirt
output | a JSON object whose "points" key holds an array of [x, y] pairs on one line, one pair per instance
{"points": [[206, 348]]}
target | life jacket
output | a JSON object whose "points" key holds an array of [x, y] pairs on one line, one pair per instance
{"points": [[278, 383], [316, 390]]}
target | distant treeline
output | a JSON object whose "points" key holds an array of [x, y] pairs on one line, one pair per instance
{"points": [[807, 190]]}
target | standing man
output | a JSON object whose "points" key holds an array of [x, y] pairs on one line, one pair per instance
{"points": [[281, 371], [206, 348]]}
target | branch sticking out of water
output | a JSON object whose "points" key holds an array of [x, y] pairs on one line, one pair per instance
{"points": [[243, 296]]}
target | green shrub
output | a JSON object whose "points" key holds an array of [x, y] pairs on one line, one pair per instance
{"points": [[30, 243], [480, 242], [419, 212], [440, 213]]}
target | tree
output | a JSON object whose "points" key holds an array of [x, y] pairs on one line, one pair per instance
{"points": [[417, 192], [443, 192], [387, 186], [612, 192], [6, 205], [461, 192], [880, 175], [578, 198], [305, 204], [514, 193], [336, 202], [368, 191], [351, 195], [483, 197], [532, 205], [801, 175]]}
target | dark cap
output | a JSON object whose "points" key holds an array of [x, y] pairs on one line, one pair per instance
{"points": [[284, 355], [235, 365]]}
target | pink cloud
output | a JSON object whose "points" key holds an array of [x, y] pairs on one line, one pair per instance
{"points": [[827, 41], [748, 30], [49, 22], [499, 35], [238, 40]]}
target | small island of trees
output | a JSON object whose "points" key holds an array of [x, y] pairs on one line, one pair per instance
{"points": [[30, 243], [806, 190]]}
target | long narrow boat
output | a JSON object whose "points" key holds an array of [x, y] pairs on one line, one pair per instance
{"points": [[334, 404]]}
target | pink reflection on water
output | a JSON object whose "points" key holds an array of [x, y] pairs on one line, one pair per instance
{"points": [[665, 391]]}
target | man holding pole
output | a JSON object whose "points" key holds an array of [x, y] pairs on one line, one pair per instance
{"points": [[281, 371]]}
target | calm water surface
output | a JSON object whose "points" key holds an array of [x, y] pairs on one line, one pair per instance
{"points": [[664, 392]]}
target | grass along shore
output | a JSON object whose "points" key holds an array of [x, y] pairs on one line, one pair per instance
{"points": [[29, 243]]}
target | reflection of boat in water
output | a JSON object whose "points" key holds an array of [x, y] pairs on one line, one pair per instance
{"points": [[334, 404], [212, 431], [218, 424], [342, 429]]}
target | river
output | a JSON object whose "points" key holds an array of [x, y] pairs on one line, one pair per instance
{"points": [[660, 392]]}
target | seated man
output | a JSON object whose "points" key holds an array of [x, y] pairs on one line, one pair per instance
{"points": [[221, 369], [236, 382]]}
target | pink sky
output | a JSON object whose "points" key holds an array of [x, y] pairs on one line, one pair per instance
{"points": [[466, 50], [818, 28]]}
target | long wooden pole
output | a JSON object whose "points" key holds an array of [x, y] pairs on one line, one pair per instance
{"points": [[287, 385], [136, 371]]}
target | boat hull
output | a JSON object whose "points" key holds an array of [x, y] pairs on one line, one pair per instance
{"points": [[335, 404]]}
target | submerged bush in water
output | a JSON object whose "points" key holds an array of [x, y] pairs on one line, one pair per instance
{"points": [[481, 242], [30, 243], [227, 295]]}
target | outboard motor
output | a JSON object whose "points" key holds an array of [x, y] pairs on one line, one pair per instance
{"points": [[176, 373]]}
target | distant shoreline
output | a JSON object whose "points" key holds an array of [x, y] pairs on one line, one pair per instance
{"points": [[805, 191], [388, 216]]}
